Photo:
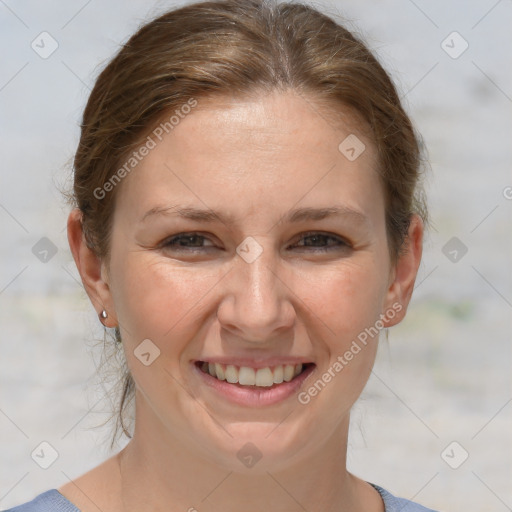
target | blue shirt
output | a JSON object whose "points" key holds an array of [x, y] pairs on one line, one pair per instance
{"points": [[54, 501]]}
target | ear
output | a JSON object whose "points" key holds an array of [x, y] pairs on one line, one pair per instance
{"points": [[403, 275], [91, 269]]}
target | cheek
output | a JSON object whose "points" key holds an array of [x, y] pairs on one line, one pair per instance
{"points": [[347, 303], [163, 303], [169, 303], [347, 298], [155, 299], [160, 300]]}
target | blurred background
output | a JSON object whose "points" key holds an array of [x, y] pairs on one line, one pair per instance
{"points": [[435, 420]]}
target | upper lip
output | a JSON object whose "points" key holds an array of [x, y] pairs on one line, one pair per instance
{"points": [[252, 362]]}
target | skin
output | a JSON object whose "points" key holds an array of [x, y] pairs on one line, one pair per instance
{"points": [[254, 159]]}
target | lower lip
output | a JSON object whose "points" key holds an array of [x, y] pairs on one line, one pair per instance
{"points": [[255, 396]]}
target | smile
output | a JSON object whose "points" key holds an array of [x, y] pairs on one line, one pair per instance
{"points": [[247, 376], [246, 385]]}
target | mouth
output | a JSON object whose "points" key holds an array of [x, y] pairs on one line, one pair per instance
{"points": [[255, 385], [267, 377]]}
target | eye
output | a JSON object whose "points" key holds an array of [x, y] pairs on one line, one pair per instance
{"points": [[186, 241], [322, 242], [317, 242]]}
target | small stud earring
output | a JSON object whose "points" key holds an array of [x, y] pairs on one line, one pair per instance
{"points": [[103, 315]]}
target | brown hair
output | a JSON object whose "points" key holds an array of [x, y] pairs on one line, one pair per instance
{"points": [[237, 47]]}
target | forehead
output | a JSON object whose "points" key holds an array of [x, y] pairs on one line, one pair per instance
{"points": [[272, 122], [254, 153]]}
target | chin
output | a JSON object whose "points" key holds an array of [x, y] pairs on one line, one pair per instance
{"points": [[257, 447]]}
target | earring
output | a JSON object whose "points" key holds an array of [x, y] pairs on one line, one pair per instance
{"points": [[103, 315]]}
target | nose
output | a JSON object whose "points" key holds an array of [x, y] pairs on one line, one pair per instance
{"points": [[257, 301]]}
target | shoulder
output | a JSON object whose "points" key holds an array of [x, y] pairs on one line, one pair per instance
{"points": [[48, 501], [395, 504]]}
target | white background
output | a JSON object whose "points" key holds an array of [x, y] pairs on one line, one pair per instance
{"points": [[445, 374]]}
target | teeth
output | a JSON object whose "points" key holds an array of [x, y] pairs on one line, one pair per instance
{"points": [[289, 370], [231, 374], [246, 376], [264, 377], [278, 374], [219, 371]]}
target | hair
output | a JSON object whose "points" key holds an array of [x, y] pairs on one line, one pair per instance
{"points": [[237, 47]]}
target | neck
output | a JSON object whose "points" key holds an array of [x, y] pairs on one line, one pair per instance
{"points": [[161, 473]]}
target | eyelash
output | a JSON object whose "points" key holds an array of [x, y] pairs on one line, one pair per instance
{"points": [[170, 242]]}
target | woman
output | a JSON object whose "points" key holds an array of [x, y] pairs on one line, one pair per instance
{"points": [[247, 220]]}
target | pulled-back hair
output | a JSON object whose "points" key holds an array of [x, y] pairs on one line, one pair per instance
{"points": [[237, 48]]}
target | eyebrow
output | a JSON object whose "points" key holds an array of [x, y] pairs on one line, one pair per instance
{"points": [[293, 216]]}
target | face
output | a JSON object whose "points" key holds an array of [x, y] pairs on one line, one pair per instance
{"points": [[292, 269]]}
